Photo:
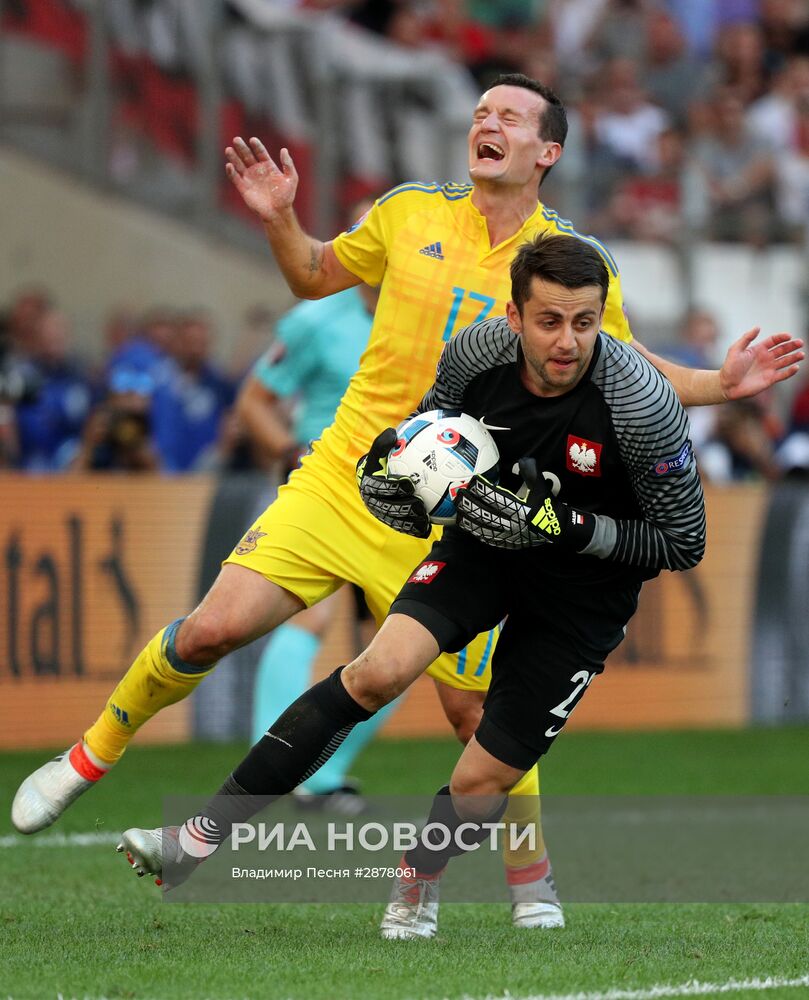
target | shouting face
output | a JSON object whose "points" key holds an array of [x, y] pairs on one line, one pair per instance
{"points": [[505, 146]]}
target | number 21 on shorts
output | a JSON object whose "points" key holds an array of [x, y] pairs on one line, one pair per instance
{"points": [[580, 681]]}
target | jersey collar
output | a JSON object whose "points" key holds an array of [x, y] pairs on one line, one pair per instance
{"points": [[473, 225]]}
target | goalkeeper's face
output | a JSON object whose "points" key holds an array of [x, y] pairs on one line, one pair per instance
{"points": [[558, 327]]}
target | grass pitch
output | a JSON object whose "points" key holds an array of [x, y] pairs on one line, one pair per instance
{"points": [[74, 921]]}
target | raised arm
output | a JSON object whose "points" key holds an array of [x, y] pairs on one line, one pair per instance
{"points": [[749, 368], [310, 267]]}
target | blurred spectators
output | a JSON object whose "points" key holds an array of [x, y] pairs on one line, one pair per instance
{"points": [[18, 377], [462, 38], [792, 176], [785, 27], [628, 124], [21, 321], [405, 72], [649, 206], [142, 346], [739, 61], [233, 450], [189, 403], [773, 117], [620, 31], [574, 23], [799, 413], [743, 444], [118, 435], [688, 118], [671, 76], [696, 343], [793, 453], [734, 171], [49, 420]]}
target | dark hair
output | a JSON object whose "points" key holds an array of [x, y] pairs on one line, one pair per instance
{"points": [[563, 260], [553, 120]]}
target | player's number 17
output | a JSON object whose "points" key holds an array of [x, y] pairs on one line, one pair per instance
{"points": [[458, 295]]}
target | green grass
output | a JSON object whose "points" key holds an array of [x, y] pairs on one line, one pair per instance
{"points": [[73, 921]]}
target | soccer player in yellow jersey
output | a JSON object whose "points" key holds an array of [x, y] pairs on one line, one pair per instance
{"points": [[441, 256]]}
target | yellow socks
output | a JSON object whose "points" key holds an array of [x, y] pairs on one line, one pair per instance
{"points": [[523, 810], [151, 683]]}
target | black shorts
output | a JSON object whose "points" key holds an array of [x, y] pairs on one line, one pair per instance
{"points": [[555, 639]]}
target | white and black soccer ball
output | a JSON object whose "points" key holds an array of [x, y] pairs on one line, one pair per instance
{"points": [[440, 451]]}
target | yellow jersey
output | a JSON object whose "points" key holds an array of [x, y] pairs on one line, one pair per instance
{"points": [[428, 247]]}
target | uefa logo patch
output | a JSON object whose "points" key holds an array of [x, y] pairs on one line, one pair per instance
{"points": [[427, 572], [676, 463]]}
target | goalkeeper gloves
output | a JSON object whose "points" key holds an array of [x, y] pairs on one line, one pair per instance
{"points": [[498, 517], [391, 499]]}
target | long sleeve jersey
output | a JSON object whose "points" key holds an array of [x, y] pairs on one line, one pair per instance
{"points": [[617, 445]]}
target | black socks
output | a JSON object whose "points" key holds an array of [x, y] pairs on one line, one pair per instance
{"points": [[296, 745], [428, 862]]}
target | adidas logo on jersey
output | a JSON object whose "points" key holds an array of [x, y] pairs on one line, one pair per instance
{"points": [[433, 250]]}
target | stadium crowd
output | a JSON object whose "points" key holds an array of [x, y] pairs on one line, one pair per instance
{"points": [[686, 115], [155, 401]]}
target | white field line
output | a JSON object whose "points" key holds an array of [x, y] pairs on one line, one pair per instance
{"points": [[60, 839], [693, 988]]}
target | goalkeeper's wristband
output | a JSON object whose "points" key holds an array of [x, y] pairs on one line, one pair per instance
{"points": [[561, 524], [582, 532]]}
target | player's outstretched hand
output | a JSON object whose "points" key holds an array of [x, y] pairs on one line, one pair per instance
{"points": [[750, 368], [265, 188], [390, 499], [500, 518]]}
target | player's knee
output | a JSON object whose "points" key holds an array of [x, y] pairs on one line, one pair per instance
{"points": [[372, 686], [463, 709], [464, 719], [475, 786], [205, 638]]}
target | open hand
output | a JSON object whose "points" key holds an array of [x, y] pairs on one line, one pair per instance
{"points": [[265, 188], [750, 368]]}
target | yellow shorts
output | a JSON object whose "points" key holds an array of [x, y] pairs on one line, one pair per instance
{"points": [[317, 535]]}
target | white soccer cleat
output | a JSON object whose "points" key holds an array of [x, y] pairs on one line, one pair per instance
{"points": [[150, 851], [144, 849], [412, 911], [535, 904], [543, 915], [44, 795]]}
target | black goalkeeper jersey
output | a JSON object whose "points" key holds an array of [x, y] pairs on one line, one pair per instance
{"points": [[617, 444]]}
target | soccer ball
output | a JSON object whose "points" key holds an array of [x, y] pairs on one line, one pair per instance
{"points": [[440, 451]]}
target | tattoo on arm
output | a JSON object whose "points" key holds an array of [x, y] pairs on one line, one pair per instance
{"points": [[316, 257]]}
